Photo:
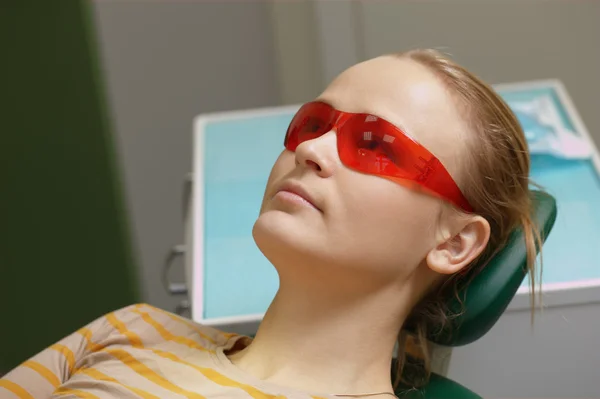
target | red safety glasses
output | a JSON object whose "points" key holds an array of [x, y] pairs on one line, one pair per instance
{"points": [[372, 145]]}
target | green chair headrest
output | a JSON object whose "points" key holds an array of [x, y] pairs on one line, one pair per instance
{"points": [[490, 292]]}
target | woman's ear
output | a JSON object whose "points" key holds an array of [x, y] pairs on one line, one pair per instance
{"points": [[454, 253]]}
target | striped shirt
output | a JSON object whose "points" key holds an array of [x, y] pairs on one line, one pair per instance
{"points": [[140, 352]]}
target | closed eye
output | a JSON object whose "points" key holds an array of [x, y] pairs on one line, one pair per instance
{"points": [[378, 148]]}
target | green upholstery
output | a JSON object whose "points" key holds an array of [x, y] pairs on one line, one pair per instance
{"points": [[65, 254], [485, 299]]}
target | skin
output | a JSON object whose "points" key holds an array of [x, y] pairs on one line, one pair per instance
{"points": [[352, 268]]}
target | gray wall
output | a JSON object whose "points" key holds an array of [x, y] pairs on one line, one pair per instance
{"points": [[557, 358], [164, 63], [503, 41]]}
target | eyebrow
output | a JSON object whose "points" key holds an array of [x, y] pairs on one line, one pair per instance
{"points": [[401, 127]]}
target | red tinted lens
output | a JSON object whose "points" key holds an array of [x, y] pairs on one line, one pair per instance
{"points": [[311, 121], [372, 145]]}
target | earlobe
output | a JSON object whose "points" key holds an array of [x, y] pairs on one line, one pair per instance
{"points": [[454, 254], [442, 260]]}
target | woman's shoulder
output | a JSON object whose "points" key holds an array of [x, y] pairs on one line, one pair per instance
{"points": [[153, 325]]}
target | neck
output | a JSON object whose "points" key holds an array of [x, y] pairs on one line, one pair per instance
{"points": [[318, 339]]}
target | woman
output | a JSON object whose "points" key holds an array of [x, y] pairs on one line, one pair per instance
{"points": [[369, 233]]}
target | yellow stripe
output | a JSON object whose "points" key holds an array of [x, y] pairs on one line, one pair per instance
{"points": [[16, 389], [230, 335], [134, 364], [167, 335], [97, 375], [218, 378], [87, 334], [138, 367], [149, 374], [75, 392], [133, 338], [91, 346], [191, 325], [207, 372], [67, 353], [43, 371]]}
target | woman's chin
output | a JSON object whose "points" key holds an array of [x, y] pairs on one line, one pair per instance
{"points": [[276, 228], [279, 234], [303, 252]]}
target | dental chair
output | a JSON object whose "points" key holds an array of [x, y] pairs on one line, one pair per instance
{"points": [[485, 299]]}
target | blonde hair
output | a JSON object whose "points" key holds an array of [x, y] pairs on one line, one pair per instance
{"points": [[495, 180]]}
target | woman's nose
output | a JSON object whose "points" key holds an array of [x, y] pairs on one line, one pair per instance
{"points": [[319, 154]]}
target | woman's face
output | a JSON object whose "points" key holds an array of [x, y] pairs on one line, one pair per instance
{"points": [[359, 224]]}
